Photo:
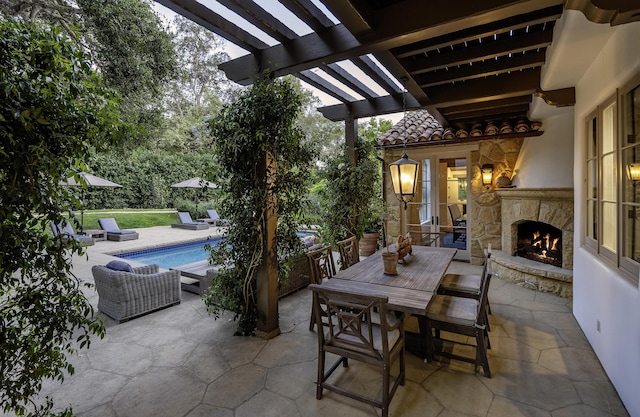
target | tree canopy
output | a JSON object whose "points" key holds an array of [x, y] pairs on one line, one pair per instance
{"points": [[53, 108]]}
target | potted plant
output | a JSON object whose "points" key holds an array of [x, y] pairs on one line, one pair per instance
{"points": [[349, 196]]}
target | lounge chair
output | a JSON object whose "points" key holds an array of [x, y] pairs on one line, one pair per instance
{"points": [[187, 223], [66, 230], [110, 226], [214, 218]]}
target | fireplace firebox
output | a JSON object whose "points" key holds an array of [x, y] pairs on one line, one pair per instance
{"points": [[540, 242]]}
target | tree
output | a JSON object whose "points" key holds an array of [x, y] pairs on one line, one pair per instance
{"points": [[261, 121], [127, 44], [53, 109]]}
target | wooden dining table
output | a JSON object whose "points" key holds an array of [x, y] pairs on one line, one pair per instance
{"points": [[409, 291]]}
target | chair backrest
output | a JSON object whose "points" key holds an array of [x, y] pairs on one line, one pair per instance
{"points": [[349, 254], [484, 292], [321, 264], [455, 213], [352, 327], [213, 214], [109, 224], [63, 228], [184, 217]]}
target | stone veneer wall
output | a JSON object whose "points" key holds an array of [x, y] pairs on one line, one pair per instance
{"points": [[553, 206], [484, 204]]}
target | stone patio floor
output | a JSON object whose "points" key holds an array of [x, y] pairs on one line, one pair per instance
{"points": [[180, 361]]}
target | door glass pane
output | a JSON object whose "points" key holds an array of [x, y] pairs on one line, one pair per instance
{"points": [[592, 179], [609, 178], [592, 219], [608, 129], [631, 230], [425, 208], [631, 176], [453, 201], [592, 146], [609, 226]]}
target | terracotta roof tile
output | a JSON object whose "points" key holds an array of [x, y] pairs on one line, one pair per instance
{"points": [[421, 127]]}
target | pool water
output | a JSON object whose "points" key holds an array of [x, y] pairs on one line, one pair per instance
{"points": [[176, 255], [172, 256]]}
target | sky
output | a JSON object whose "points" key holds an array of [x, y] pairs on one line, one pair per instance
{"points": [[294, 24]]}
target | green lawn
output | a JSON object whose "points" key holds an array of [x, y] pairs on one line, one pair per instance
{"points": [[129, 218]]}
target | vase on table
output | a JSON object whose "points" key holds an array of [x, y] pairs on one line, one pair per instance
{"points": [[390, 262]]}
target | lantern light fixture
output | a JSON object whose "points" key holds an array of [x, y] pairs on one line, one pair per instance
{"points": [[633, 172], [487, 175], [404, 171]]}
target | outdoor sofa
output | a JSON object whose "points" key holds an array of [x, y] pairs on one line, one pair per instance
{"points": [[125, 292]]}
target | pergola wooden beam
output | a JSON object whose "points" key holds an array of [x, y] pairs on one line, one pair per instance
{"points": [[486, 51]]}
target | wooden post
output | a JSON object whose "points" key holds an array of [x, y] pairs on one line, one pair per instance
{"points": [[351, 137], [267, 277]]}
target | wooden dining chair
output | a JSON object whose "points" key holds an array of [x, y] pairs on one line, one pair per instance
{"points": [[349, 254], [464, 285], [322, 266], [462, 316], [354, 334]]}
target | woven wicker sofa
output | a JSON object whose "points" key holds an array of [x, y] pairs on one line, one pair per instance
{"points": [[125, 295]]}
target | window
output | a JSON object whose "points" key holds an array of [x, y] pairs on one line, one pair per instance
{"points": [[613, 180]]}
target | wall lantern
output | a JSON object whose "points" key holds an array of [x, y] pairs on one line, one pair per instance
{"points": [[404, 171], [487, 175], [633, 172]]}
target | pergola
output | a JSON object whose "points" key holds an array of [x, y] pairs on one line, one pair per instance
{"points": [[464, 61]]}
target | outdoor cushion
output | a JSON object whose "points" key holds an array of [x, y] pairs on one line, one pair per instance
{"points": [[109, 224], [119, 266]]}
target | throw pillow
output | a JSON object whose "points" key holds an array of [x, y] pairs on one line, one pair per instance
{"points": [[119, 266]]}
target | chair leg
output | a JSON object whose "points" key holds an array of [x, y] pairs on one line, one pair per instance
{"points": [[312, 320], [321, 359], [481, 354]]}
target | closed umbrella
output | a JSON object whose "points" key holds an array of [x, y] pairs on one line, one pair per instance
{"points": [[91, 181], [195, 182]]}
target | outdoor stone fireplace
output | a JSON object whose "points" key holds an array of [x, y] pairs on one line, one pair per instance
{"points": [[537, 238]]}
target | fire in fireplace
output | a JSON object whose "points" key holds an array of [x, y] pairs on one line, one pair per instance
{"points": [[540, 242]]}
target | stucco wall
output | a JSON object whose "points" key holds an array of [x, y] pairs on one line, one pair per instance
{"points": [[601, 294]]}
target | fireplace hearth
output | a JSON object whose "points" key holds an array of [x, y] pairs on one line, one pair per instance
{"points": [[540, 242]]}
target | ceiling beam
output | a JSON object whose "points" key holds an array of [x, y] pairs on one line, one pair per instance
{"points": [[485, 51], [309, 13], [473, 33], [208, 19], [300, 54], [339, 73], [484, 105], [485, 89], [261, 19], [367, 108], [614, 12], [482, 69], [488, 114], [323, 85]]}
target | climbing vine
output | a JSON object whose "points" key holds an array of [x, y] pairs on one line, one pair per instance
{"points": [[261, 125]]}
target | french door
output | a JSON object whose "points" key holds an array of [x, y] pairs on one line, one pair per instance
{"points": [[442, 206]]}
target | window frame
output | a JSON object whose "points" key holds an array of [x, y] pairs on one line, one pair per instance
{"points": [[612, 256]]}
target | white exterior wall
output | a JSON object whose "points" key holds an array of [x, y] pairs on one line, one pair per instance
{"points": [[546, 161], [600, 292]]}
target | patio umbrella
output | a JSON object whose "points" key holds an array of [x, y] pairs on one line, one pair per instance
{"points": [[195, 182], [91, 181]]}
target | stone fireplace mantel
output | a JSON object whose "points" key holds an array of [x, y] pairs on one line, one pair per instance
{"points": [[553, 206]]}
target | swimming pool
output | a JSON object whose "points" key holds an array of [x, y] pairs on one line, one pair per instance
{"points": [[173, 256]]}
